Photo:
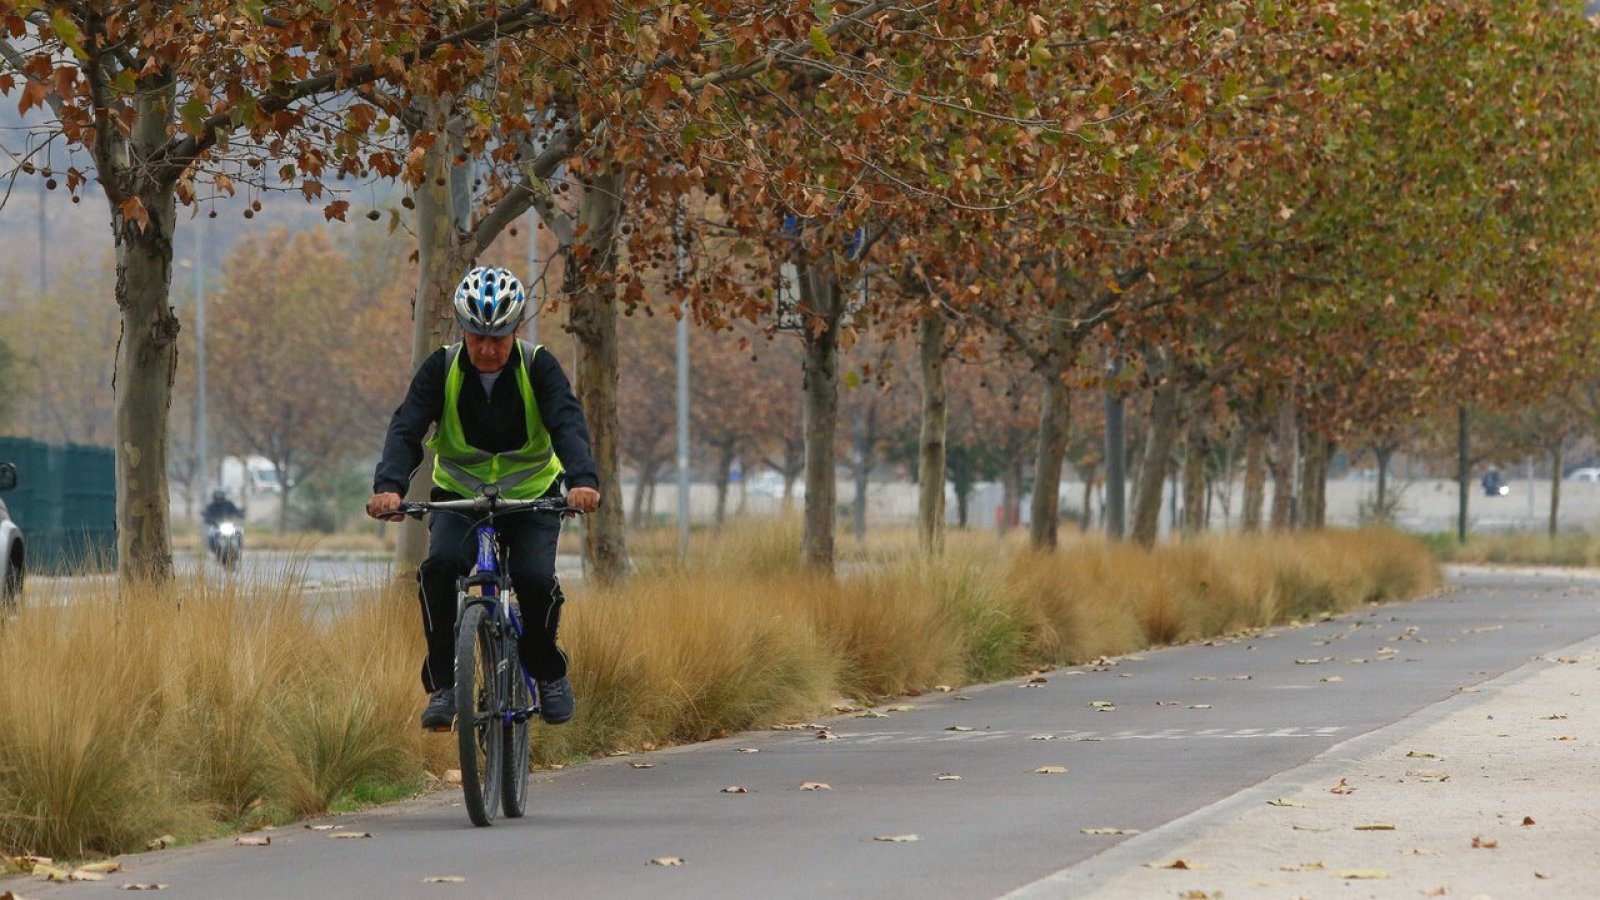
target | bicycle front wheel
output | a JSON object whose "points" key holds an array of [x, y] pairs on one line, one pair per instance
{"points": [[480, 700], [514, 775]]}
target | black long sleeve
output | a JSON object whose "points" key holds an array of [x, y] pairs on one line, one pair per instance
{"points": [[491, 423], [402, 447], [563, 418]]}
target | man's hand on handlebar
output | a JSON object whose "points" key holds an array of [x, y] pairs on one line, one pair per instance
{"points": [[584, 499], [385, 506]]}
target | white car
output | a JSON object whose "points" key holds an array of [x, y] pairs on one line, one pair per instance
{"points": [[1588, 474], [12, 556]]}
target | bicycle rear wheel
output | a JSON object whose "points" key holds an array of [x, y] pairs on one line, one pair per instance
{"points": [[514, 773], [480, 698]]}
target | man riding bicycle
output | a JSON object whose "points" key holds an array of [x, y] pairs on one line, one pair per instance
{"points": [[506, 417]]}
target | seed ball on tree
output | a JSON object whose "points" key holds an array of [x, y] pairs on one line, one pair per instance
{"points": [[372, 214]]}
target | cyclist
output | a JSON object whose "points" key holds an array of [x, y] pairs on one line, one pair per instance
{"points": [[506, 416]]}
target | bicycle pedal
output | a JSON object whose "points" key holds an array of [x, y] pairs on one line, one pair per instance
{"points": [[442, 729]]}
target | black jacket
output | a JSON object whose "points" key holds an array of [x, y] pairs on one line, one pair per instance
{"points": [[220, 510], [492, 423]]}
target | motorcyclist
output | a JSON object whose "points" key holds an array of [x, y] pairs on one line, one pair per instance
{"points": [[220, 509], [506, 416]]}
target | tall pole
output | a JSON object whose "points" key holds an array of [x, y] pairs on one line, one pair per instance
{"points": [[202, 450], [683, 393], [1462, 473], [535, 283], [44, 242], [1116, 494]]}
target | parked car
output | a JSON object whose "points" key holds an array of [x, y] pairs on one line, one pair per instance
{"points": [[1586, 474], [12, 555]]}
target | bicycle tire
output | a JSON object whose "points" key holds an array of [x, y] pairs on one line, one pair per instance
{"points": [[514, 771], [480, 697]]}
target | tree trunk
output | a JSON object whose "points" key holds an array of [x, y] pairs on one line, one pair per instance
{"points": [[1011, 495], [1283, 465], [1088, 473], [591, 266], [1255, 477], [147, 358], [1194, 477], [1383, 452], [641, 492], [932, 452], [1314, 481], [726, 451], [819, 295], [1163, 434], [866, 438], [1556, 454], [440, 265], [1055, 418], [147, 350], [1116, 509]]}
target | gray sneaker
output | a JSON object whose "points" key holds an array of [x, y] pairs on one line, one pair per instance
{"points": [[556, 702], [441, 711]]}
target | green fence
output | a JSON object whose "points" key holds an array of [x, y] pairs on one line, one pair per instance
{"points": [[65, 503]]}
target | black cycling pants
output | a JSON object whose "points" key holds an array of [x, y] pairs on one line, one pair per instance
{"points": [[530, 541]]}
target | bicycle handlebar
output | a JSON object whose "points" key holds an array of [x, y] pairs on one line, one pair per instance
{"points": [[489, 504]]}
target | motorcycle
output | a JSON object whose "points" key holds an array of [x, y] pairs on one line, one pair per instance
{"points": [[225, 539]]}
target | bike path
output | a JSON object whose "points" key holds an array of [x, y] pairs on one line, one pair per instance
{"points": [[1146, 740]]}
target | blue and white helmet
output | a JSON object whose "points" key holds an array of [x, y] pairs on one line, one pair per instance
{"points": [[490, 301]]}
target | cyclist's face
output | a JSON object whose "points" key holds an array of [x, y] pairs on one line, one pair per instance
{"points": [[489, 354]]}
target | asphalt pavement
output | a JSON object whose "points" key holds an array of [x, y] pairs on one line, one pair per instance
{"points": [[1057, 785]]}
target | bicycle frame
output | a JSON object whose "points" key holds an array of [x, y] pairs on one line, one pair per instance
{"points": [[492, 562]]}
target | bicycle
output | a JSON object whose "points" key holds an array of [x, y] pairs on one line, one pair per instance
{"points": [[493, 706]]}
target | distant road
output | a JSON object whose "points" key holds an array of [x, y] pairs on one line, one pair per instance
{"points": [[1145, 740]]}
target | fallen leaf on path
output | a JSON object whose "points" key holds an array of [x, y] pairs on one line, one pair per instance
{"points": [[1199, 706], [826, 735], [897, 838], [1527, 820], [1362, 874], [667, 861], [1539, 875], [1553, 718], [734, 789], [1479, 843], [1240, 678], [816, 786], [1262, 883], [1197, 894], [962, 697], [86, 875], [1428, 774], [1440, 891], [1203, 678], [253, 840], [131, 886], [946, 776], [1343, 787], [1182, 864], [1355, 661], [1565, 737], [904, 707], [1376, 826], [444, 879], [845, 708], [1050, 770], [1103, 705], [50, 873], [1333, 679], [1169, 703], [324, 827], [160, 843], [872, 714], [1308, 662], [1042, 737], [640, 765], [452, 776], [350, 835], [943, 688], [1302, 867], [1109, 830], [1281, 801], [27, 862], [1422, 754], [103, 867], [957, 728], [749, 750]]}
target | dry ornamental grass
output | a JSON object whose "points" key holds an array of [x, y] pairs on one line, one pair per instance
{"points": [[205, 706]]}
